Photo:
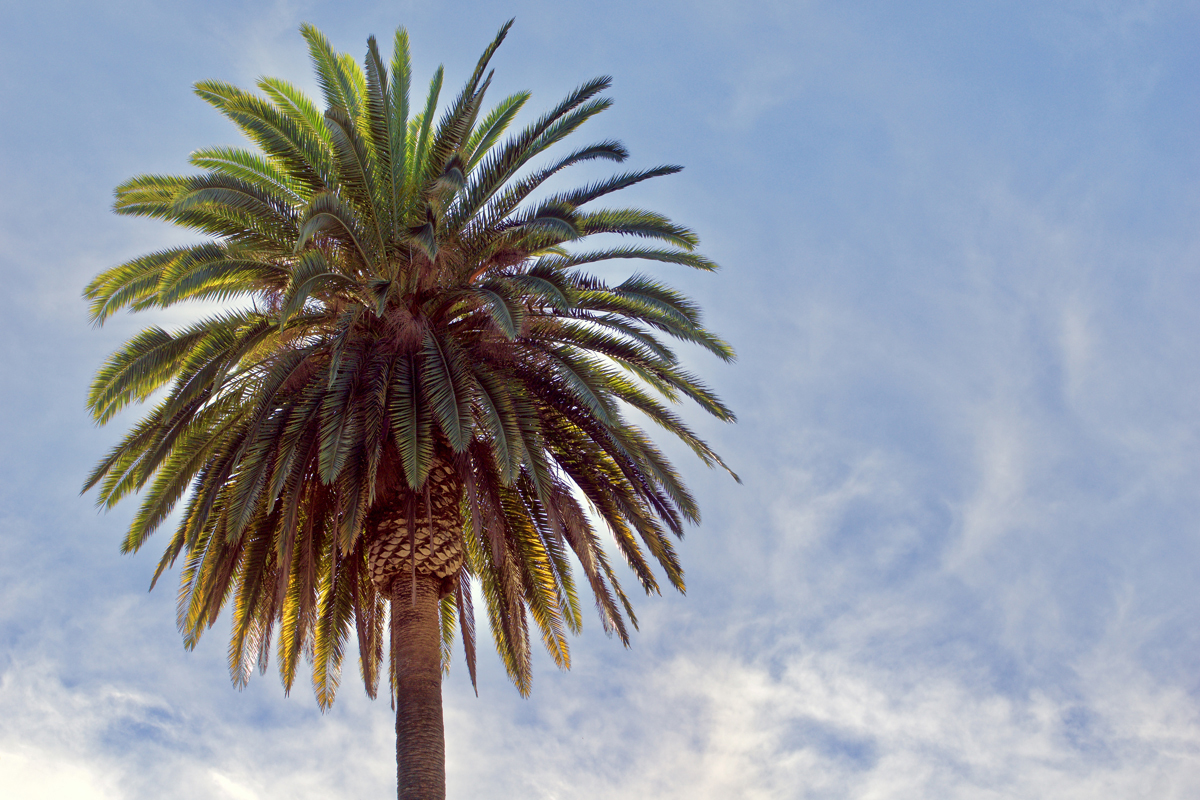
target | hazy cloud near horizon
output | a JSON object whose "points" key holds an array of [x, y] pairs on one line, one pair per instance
{"points": [[960, 265]]}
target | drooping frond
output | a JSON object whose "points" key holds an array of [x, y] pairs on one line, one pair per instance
{"points": [[412, 321]]}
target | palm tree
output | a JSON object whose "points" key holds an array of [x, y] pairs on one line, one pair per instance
{"points": [[415, 390]]}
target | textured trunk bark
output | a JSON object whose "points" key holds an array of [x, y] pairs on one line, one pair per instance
{"points": [[420, 739]]}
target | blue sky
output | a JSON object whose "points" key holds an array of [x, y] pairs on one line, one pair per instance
{"points": [[960, 265]]}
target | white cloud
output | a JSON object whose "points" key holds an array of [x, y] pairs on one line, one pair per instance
{"points": [[32, 774], [232, 788], [999, 502], [717, 725], [108, 742], [792, 721]]}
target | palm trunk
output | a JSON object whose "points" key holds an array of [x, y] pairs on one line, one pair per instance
{"points": [[416, 643]]}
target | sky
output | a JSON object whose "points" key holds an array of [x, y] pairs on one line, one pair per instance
{"points": [[960, 262]]}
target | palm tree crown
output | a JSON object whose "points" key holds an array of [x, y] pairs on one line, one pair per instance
{"points": [[417, 382]]}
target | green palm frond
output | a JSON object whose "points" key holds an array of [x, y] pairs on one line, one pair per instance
{"points": [[411, 299]]}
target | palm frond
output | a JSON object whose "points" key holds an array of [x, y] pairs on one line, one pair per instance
{"points": [[415, 323]]}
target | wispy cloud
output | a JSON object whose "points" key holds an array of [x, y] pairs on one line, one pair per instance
{"points": [[706, 725], [108, 741]]}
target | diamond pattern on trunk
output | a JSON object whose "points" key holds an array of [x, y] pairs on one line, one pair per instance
{"points": [[439, 551]]}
